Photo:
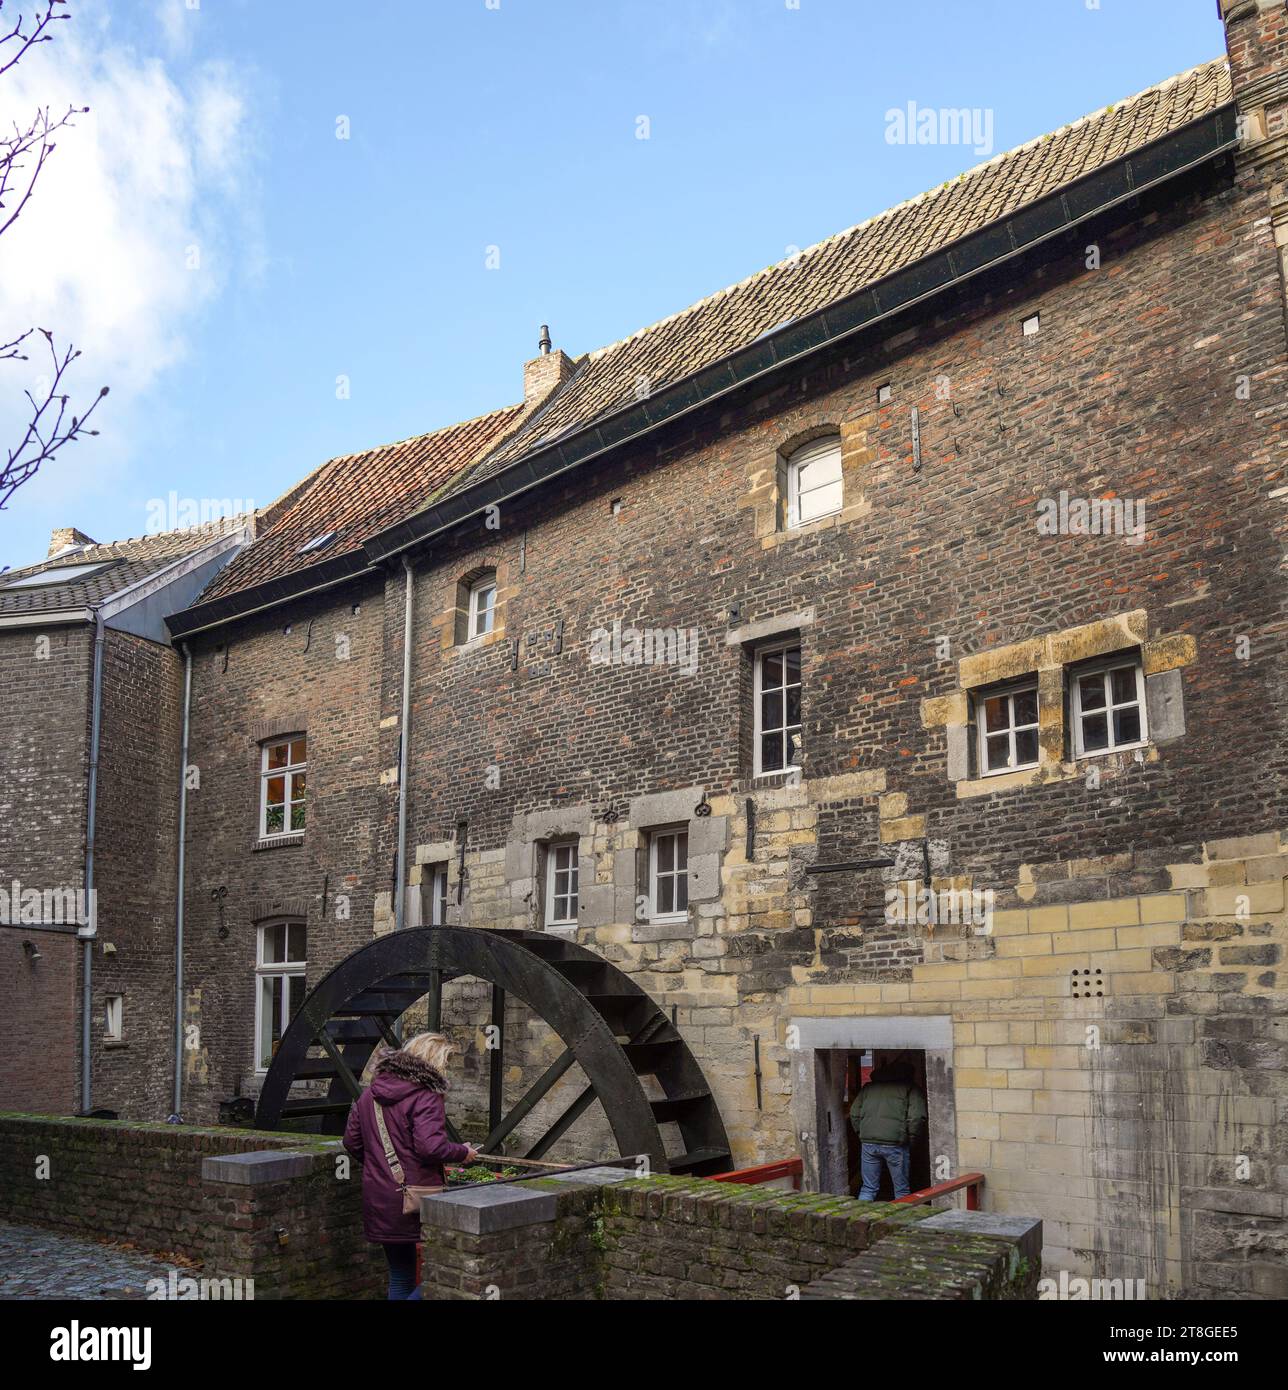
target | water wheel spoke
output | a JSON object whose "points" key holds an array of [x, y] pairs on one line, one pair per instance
{"points": [[563, 1124], [531, 1097], [347, 1078]]}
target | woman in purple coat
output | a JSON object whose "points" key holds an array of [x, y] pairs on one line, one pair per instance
{"points": [[408, 1087]]}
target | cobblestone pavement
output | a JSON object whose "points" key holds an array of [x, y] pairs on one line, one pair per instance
{"points": [[47, 1264]]}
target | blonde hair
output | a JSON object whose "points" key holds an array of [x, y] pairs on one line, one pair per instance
{"points": [[431, 1048]]}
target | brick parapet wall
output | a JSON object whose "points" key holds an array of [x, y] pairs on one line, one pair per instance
{"points": [[695, 1239], [296, 1236], [676, 1238]]}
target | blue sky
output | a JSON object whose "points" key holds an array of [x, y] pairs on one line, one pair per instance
{"points": [[473, 124]]}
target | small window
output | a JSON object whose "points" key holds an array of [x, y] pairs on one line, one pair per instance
{"points": [[114, 1018], [482, 607], [279, 973], [668, 875], [884, 392], [562, 884], [438, 895], [814, 485], [1032, 326], [282, 786], [1108, 707], [778, 709], [1008, 728]]}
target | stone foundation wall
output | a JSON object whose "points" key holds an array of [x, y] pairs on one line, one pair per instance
{"points": [[1119, 1067]]}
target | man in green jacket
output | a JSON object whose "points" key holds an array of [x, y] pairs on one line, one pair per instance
{"points": [[888, 1115]]}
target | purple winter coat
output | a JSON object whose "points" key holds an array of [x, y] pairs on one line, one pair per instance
{"points": [[411, 1095]]}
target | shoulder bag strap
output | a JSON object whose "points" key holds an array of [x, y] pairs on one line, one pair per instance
{"points": [[390, 1156]]}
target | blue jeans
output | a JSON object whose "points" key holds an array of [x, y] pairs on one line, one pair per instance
{"points": [[895, 1157], [402, 1271]]}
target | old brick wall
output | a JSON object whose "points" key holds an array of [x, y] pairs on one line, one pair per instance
{"points": [[44, 742], [135, 876], [114, 1179], [320, 677], [668, 1238], [300, 1237]]}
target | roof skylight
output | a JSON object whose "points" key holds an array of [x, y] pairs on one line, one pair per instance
{"points": [[316, 543], [59, 574]]}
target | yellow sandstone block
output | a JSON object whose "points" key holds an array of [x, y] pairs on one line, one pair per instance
{"points": [[1011, 921], [1027, 945], [1163, 907], [1098, 939], [982, 1076], [1117, 912], [993, 969], [1164, 934], [943, 990], [1157, 982], [987, 989]]}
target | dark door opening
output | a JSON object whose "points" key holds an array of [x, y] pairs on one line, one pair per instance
{"points": [[841, 1077]]}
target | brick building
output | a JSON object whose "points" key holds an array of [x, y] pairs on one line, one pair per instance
{"points": [[954, 542], [89, 773]]}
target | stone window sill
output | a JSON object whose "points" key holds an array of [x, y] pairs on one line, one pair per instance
{"points": [[481, 642], [1115, 760], [782, 535], [277, 842]]}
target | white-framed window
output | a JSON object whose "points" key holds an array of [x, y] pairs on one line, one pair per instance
{"points": [[279, 985], [668, 874], [814, 487], [1109, 707], [562, 884], [1008, 728], [482, 607], [114, 1018], [778, 708], [281, 787], [437, 895]]}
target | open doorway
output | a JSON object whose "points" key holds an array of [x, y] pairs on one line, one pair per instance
{"points": [[840, 1073]]}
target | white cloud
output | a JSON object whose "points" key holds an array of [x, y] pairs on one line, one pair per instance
{"points": [[153, 178], [178, 20]]}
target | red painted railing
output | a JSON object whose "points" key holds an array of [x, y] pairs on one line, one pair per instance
{"points": [[972, 1182], [791, 1168]]}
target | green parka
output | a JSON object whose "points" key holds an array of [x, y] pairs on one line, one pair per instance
{"points": [[890, 1109]]}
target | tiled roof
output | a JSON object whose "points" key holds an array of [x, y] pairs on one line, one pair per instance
{"points": [[127, 562], [851, 260], [352, 497]]}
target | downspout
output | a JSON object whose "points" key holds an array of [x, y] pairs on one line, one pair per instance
{"points": [[405, 742], [91, 819], [175, 1116]]}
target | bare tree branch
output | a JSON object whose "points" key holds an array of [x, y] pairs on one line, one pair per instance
{"points": [[23, 156], [50, 428], [34, 141], [24, 41]]}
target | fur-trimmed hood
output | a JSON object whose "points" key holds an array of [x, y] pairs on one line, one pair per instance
{"points": [[398, 1074]]}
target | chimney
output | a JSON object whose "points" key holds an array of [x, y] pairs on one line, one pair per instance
{"points": [[64, 537], [544, 373], [1256, 38]]}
